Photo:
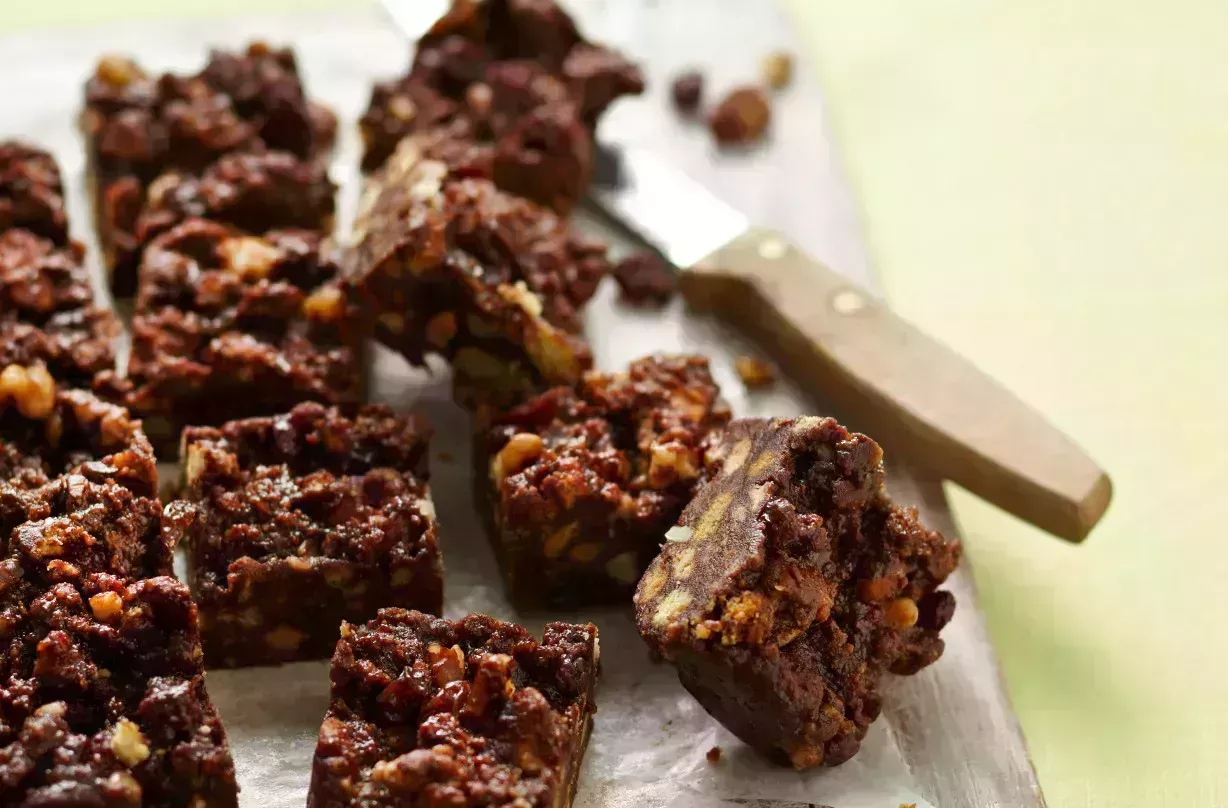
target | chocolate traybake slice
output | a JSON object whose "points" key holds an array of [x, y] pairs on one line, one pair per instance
{"points": [[140, 127], [579, 484], [231, 326], [515, 79], [792, 584], [299, 521], [491, 282], [32, 192], [47, 313], [474, 712], [102, 699]]}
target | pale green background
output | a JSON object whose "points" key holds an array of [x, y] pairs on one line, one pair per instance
{"points": [[1046, 187]]}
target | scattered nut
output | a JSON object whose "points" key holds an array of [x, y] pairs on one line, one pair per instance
{"points": [[107, 606], [778, 70], [128, 743], [741, 118], [250, 257], [902, 613], [688, 91], [521, 449], [754, 372], [678, 533]]}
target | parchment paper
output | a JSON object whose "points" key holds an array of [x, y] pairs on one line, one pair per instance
{"points": [[650, 738]]}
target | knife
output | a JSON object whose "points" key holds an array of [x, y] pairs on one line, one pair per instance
{"points": [[912, 393], [915, 395]]}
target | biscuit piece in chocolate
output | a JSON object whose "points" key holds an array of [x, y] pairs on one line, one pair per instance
{"points": [[491, 282], [299, 521], [579, 484], [474, 712], [792, 584], [229, 326], [47, 311], [31, 192]]}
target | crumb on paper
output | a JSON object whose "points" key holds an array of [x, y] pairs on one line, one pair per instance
{"points": [[714, 757], [645, 279], [754, 372], [688, 91]]}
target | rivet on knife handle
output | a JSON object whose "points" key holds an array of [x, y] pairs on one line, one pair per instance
{"points": [[910, 392]]}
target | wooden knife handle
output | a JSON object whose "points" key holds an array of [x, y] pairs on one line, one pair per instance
{"points": [[907, 390]]}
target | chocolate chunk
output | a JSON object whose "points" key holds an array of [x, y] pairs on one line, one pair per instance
{"points": [[688, 91], [645, 278]]}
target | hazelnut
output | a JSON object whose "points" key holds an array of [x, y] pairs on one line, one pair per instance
{"points": [[251, 258], [902, 613], [117, 71], [670, 463], [447, 664], [326, 304], [32, 390], [754, 372], [557, 542], [107, 606], [128, 743], [520, 450], [778, 70], [742, 118], [402, 108]]}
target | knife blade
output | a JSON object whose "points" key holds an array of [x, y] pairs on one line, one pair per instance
{"points": [[915, 395]]}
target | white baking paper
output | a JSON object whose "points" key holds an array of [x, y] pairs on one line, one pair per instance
{"points": [[650, 739]]}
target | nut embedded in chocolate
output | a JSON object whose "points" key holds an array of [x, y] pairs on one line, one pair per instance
{"points": [[296, 522], [792, 584], [31, 192], [579, 484], [644, 278], [473, 711]]}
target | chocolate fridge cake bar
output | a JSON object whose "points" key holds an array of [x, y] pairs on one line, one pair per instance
{"points": [[299, 521], [147, 135], [516, 80], [474, 712], [456, 267], [102, 698], [579, 484], [792, 584], [229, 325]]}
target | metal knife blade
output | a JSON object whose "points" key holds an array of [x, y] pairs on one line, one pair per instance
{"points": [[670, 211]]}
